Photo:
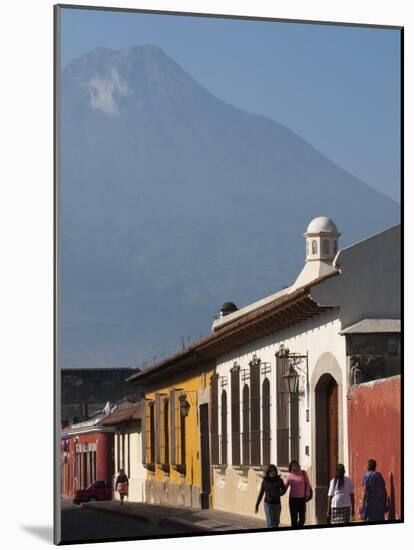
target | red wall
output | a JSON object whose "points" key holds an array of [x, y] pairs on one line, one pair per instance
{"points": [[104, 457], [374, 428]]}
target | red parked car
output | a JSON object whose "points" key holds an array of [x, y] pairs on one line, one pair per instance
{"points": [[99, 490]]}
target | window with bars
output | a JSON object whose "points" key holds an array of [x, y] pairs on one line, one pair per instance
{"points": [[254, 413], [214, 420], [223, 428], [294, 426], [266, 422], [246, 426], [235, 415], [282, 406]]}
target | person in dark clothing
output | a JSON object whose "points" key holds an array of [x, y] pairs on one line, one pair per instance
{"points": [[272, 488], [374, 497], [121, 485]]}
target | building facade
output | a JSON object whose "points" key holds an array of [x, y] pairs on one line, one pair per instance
{"points": [[87, 456], [277, 380], [176, 437], [258, 420], [128, 423]]}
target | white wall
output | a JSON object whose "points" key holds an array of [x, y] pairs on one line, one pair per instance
{"points": [[316, 337], [137, 473]]}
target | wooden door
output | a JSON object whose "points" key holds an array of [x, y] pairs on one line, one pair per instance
{"points": [[332, 402]]}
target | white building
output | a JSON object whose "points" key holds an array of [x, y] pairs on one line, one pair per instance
{"points": [[254, 420], [128, 422]]}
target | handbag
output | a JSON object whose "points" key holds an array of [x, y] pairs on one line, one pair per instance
{"points": [[309, 496]]}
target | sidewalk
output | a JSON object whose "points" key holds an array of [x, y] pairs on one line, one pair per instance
{"points": [[189, 519]]}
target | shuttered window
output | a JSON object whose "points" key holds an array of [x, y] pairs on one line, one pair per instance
{"points": [[166, 457], [144, 425], [246, 425], [255, 413], [214, 420], [161, 429], [157, 429], [235, 415], [224, 427], [266, 422], [182, 438], [172, 427], [282, 406], [152, 434]]}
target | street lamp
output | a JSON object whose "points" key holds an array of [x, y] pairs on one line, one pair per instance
{"points": [[291, 380], [184, 407]]}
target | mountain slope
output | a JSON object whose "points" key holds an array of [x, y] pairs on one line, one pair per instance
{"points": [[174, 202]]}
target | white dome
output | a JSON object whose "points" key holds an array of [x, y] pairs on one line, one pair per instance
{"points": [[322, 225]]}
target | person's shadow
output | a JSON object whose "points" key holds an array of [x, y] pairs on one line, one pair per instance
{"points": [[42, 532], [391, 498]]}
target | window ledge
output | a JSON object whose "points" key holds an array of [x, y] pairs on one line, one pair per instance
{"points": [[242, 469], [180, 468]]}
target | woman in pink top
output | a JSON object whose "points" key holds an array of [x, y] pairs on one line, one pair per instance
{"points": [[298, 482]]}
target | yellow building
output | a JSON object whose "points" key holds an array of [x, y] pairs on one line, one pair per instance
{"points": [[176, 435]]}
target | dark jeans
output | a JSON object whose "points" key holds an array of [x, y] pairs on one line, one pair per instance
{"points": [[272, 512], [297, 508]]}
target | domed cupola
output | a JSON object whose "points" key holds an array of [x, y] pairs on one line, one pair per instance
{"points": [[226, 309], [321, 248], [321, 240]]}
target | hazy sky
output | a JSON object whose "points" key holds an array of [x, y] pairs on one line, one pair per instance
{"points": [[337, 87]]}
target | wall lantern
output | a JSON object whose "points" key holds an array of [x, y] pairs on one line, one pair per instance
{"points": [[291, 380], [184, 407]]}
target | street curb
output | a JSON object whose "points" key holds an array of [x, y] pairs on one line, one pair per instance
{"points": [[115, 512]]}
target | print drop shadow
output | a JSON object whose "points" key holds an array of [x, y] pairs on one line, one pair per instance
{"points": [[44, 532]]}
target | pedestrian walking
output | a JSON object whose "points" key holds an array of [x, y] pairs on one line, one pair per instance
{"points": [[300, 489], [341, 498], [374, 503], [121, 485], [272, 488]]}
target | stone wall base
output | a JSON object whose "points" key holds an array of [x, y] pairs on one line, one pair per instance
{"points": [[172, 494]]}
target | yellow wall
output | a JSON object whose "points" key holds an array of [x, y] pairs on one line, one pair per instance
{"points": [[190, 387]]}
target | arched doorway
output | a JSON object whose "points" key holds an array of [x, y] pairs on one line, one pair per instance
{"points": [[327, 440]]}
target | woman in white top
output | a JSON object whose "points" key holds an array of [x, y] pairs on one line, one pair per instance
{"points": [[341, 498]]}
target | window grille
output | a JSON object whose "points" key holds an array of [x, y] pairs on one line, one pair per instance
{"points": [[246, 425], [223, 442], [255, 413], [214, 420], [282, 405], [235, 415], [266, 422]]}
